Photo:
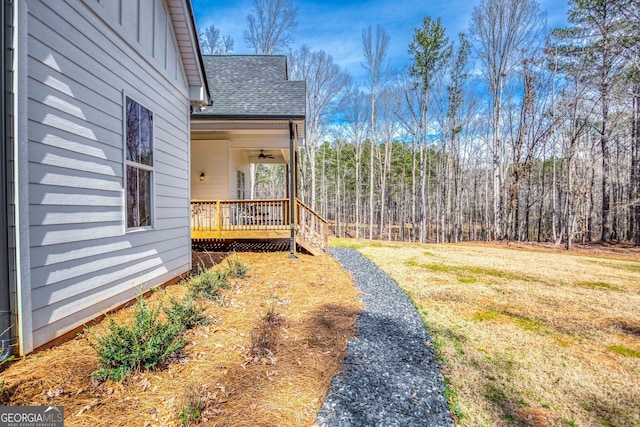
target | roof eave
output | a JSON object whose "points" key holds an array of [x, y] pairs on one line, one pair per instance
{"points": [[182, 14], [240, 117]]}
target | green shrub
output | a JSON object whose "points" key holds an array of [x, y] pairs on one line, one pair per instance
{"points": [[145, 343], [236, 267], [207, 283], [193, 403], [185, 312]]}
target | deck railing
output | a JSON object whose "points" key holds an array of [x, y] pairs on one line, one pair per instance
{"points": [[218, 216], [226, 215], [311, 227]]}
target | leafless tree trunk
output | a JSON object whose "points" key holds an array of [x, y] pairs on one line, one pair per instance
{"points": [[504, 30], [326, 84], [374, 48], [355, 114]]}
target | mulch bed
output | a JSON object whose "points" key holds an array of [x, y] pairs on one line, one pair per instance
{"points": [[274, 342]]}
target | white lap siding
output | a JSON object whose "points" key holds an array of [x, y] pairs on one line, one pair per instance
{"points": [[82, 60]]}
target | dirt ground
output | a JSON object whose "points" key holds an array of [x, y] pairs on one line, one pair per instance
{"points": [[315, 305]]}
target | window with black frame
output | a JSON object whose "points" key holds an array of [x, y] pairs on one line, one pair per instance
{"points": [[139, 168]]}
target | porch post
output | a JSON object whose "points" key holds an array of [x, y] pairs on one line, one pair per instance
{"points": [[292, 196]]}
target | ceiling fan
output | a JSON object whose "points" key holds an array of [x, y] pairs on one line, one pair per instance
{"points": [[265, 156]]}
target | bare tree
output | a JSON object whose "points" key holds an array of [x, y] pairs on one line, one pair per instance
{"points": [[375, 48], [271, 26], [212, 43], [505, 31], [355, 126], [326, 82]]}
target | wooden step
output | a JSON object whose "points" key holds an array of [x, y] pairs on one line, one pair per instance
{"points": [[308, 247]]}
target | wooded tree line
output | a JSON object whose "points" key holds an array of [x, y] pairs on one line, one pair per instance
{"points": [[513, 131]]}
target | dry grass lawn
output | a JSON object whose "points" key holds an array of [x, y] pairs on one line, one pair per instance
{"points": [[527, 336], [309, 304]]}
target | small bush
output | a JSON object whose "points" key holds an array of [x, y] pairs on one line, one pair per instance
{"points": [[193, 403], [207, 283], [185, 312], [145, 343], [237, 268]]}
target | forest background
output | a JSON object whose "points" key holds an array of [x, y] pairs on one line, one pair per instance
{"points": [[513, 130]]}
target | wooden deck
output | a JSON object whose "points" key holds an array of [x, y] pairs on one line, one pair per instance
{"points": [[258, 220]]}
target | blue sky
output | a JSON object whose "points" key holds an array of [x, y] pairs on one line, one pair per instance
{"points": [[335, 26]]}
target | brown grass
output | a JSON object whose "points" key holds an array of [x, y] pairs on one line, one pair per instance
{"points": [[529, 336], [307, 308]]}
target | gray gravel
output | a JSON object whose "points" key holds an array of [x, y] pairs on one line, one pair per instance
{"points": [[391, 376]]}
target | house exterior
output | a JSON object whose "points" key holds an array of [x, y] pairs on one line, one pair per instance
{"points": [[95, 158], [257, 116], [254, 101]]}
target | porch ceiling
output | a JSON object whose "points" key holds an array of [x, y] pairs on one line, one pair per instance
{"points": [[227, 128], [268, 156]]}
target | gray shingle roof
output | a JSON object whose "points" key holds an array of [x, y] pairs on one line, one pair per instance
{"points": [[252, 85]]}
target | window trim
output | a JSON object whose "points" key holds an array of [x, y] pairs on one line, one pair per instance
{"points": [[126, 163], [241, 189]]}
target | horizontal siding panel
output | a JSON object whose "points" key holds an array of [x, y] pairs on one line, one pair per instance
{"points": [[71, 96], [103, 285], [60, 138], [171, 193], [173, 145], [66, 177], [177, 169], [174, 213], [171, 202], [59, 215], [39, 113], [57, 285], [166, 223], [85, 81], [51, 235], [81, 315], [60, 159], [56, 78], [53, 255], [47, 195], [180, 183]]}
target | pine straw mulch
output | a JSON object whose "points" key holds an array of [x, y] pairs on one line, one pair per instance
{"points": [[276, 339]]}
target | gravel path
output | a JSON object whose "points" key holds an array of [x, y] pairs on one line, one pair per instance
{"points": [[391, 376]]}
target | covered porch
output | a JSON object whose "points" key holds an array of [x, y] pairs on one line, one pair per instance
{"points": [[252, 220], [256, 117], [223, 212]]}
